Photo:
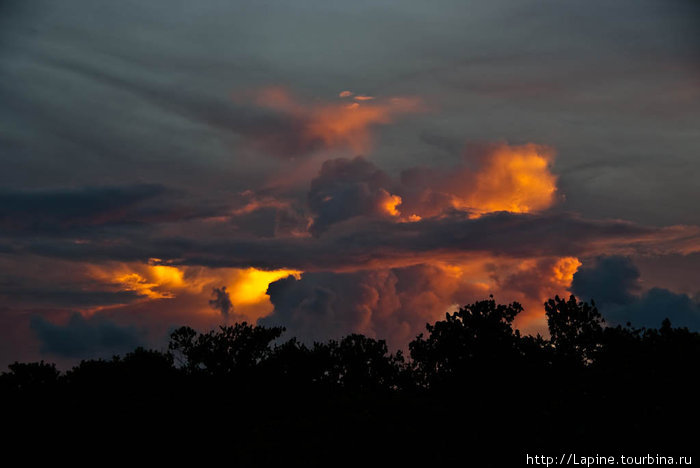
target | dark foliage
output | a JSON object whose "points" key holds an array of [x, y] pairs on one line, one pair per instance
{"points": [[476, 342], [472, 383], [237, 349], [575, 329]]}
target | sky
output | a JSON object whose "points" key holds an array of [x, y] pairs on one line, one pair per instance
{"points": [[339, 167]]}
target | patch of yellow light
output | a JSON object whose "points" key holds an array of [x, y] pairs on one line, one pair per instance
{"points": [[148, 280], [250, 285], [515, 179], [168, 275], [141, 286]]}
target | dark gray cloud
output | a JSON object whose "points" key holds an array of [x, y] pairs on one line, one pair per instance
{"points": [[221, 301], [613, 282], [346, 188], [655, 305], [313, 311], [266, 215], [358, 243], [393, 304], [62, 209], [56, 296], [75, 211], [610, 280], [84, 337]]}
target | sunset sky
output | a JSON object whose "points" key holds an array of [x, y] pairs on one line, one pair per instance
{"points": [[338, 167]]}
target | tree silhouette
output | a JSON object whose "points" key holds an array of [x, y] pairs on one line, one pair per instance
{"points": [[474, 340], [29, 377], [230, 350], [359, 363], [575, 329], [471, 376]]}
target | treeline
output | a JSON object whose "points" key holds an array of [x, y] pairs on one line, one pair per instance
{"points": [[470, 382]]}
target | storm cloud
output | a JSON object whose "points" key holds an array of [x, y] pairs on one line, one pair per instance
{"points": [[613, 282], [394, 304]]}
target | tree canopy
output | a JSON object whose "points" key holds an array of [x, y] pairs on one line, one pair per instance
{"points": [[587, 380]]}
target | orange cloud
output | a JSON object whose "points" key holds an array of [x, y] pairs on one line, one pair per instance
{"points": [[564, 270], [389, 202], [348, 126], [515, 179], [335, 125], [533, 281]]}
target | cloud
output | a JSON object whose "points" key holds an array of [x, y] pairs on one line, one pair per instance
{"points": [[614, 282], [538, 279], [655, 305], [28, 282], [361, 243], [74, 296], [394, 304], [327, 126], [221, 301], [346, 188], [63, 207], [361, 218], [60, 210], [609, 280], [512, 178], [509, 178], [499, 177], [85, 337], [266, 215], [269, 119]]}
